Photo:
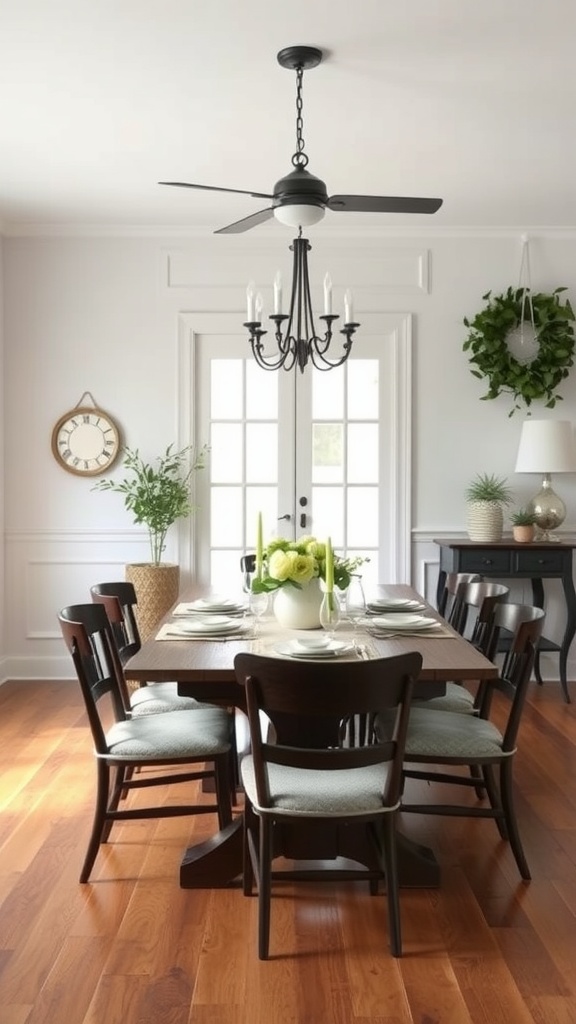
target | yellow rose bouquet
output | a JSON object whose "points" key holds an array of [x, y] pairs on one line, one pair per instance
{"points": [[293, 563]]}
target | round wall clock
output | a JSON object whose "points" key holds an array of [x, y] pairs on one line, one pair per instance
{"points": [[85, 441]]}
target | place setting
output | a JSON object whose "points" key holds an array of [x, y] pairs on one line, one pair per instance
{"points": [[322, 648], [406, 624], [206, 627]]}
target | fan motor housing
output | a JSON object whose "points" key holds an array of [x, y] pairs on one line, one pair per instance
{"points": [[301, 187]]}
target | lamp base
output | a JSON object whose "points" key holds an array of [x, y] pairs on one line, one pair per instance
{"points": [[549, 511]]}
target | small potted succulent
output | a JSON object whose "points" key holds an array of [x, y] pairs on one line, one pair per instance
{"points": [[523, 525], [486, 496]]}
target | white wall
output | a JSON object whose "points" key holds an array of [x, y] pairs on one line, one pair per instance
{"points": [[101, 314]]}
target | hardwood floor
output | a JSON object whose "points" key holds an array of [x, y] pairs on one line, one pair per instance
{"points": [[133, 947]]}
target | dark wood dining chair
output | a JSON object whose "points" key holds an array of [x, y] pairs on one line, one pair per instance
{"points": [[451, 584], [478, 598], [310, 780], [199, 738], [119, 599], [477, 743]]}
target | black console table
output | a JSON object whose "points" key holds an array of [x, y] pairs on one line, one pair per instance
{"points": [[535, 561]]}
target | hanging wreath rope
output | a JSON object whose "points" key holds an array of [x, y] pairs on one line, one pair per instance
{"points": [[491, 356]]}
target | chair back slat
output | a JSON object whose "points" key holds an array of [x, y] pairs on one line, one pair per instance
{"points": [[525, 623], [482, 596], [451, 584], [119, 599], [87, 634]]}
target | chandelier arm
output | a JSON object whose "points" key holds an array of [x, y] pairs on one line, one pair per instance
{"points": [[319, 346], [298, 344]]}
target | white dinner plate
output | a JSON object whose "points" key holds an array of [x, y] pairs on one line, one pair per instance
{"points": [[395, 604], [410, 623], [333, 649], [209, 625], [191, 612], [214, 604]]}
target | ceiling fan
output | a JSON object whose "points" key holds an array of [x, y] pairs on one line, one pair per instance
{"points": [[300, 198]]}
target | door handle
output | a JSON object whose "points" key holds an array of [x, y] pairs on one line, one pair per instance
{"points": [[287, 516], [303, 520]]}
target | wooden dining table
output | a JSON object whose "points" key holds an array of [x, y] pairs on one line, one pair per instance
{"points": [[204, 669]]}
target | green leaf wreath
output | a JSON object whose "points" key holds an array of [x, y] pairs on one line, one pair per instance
{"points": [[490, 356]]}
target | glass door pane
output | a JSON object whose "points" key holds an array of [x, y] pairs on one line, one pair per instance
{"points": [[322, 453]]}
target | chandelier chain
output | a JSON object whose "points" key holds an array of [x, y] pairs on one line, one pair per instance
{"points": [[299, 159]]}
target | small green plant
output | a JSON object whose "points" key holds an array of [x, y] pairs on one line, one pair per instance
{"points": [[487, 487], [522, 517], [158, 496]]}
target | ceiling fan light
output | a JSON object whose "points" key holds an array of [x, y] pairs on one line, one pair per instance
{"points": [[296, 215]]}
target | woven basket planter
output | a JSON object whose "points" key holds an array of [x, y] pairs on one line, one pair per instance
{"points": [[157, 588], [485, 521]]}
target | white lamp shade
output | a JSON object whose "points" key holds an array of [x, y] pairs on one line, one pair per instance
{"points": [[546, 446]]}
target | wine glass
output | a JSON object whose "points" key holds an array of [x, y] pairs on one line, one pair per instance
{"points": [[330, 612], [355, 602], [258, 605]]}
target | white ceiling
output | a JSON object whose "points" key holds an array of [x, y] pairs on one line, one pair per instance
{"points": [[470, 100]]}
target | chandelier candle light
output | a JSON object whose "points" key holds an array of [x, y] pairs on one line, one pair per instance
{"points": [[297, 342]]}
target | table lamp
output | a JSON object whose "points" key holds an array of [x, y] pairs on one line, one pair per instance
{"points": [[547, 446]]}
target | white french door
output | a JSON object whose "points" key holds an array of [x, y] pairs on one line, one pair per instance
{"points": [[322, 453]]}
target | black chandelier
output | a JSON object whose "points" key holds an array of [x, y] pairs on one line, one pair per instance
{"points": [[295, 333]]}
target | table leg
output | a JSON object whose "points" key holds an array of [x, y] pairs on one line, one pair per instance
{"points": [[570, 630], [570, 595]]}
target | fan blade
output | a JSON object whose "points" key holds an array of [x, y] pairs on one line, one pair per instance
{"points": [[216, 188], [247, 222], [382, 204]]}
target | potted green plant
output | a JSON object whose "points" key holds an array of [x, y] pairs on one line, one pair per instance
{"points": [[486, 497], [157, 494], [523, 525]]}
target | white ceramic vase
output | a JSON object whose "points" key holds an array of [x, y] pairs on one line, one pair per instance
{"points": [[299, 609]]}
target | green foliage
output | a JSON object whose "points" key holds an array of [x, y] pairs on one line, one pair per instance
{"points": [[523, 517], [158, 496], [487, 487], [491, 358], [290, 563]]}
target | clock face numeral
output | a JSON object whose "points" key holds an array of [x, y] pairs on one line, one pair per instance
{"points": [[85, 441]]}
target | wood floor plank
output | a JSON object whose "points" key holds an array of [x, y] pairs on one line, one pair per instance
{"points": [[131, 947]]}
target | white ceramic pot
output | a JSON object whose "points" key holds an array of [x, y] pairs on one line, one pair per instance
{"points": [[299, 609]]}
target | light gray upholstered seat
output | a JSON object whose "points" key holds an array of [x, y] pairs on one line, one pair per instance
{"points": [[457, 699], [297, 791], [201, 733], [452, 735], [157, 698]]}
